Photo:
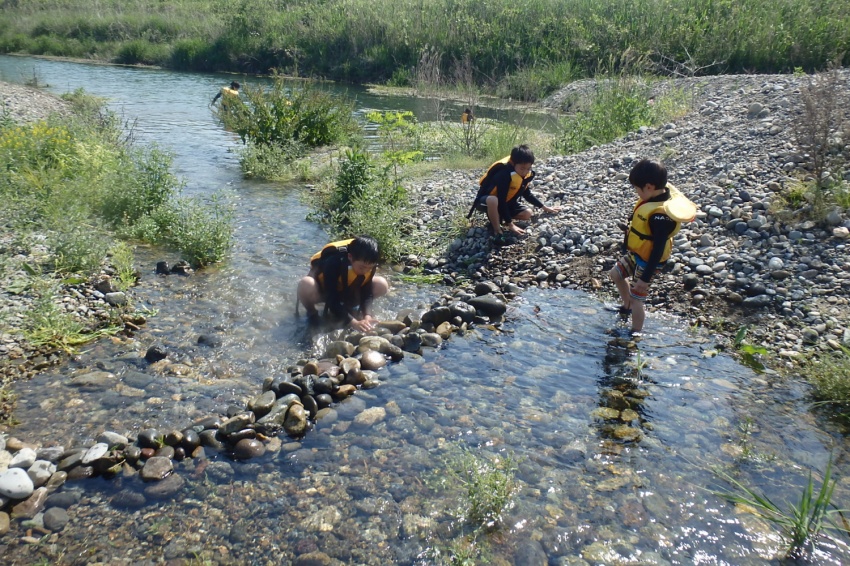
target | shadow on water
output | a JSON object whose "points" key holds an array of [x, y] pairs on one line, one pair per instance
{"points": [[616, 440]]}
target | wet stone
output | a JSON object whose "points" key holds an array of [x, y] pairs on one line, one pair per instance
{"points": [[113, 439], [40, 472], [63, 499], [31, 506], [248, 448], [23, 458], [93, 380], [219, 471], [372, 360], [128, 499], [80, 473], [55, 519], [95, 453], [156, 353], [157, 468], [165, 488], [51, 454]]}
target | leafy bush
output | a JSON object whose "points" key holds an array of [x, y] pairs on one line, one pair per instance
{"points": [[272, 161], [144, 183], [142, 52], [289, 112], [202, 231], [78, 249], [191, 54], [830, 376], [356, 175], [619, 107]]}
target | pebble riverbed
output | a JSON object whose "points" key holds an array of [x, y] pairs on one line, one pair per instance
{"points": [[740, 262]]}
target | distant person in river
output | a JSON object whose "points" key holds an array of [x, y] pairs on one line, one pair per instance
{"points": [[499, 193], [466, 118], [342, 276], [657, 217], [227, 93]]}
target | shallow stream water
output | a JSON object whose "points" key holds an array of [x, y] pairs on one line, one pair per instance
{"points": [[595, 482]]}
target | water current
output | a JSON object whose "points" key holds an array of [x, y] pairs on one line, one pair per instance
{"points": [[597, 484]]}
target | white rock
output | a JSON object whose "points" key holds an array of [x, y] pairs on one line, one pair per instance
{"points": [[16, 484], [23, 458]]}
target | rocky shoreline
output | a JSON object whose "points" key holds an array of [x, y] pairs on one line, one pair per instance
{"points": [[738, 264], [743, 262]]}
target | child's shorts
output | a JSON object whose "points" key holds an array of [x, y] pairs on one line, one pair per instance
{"points": [[514, 206], [631, 266]]}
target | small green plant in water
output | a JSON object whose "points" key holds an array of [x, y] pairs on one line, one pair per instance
{"points": [[802, 524], [749, 352], [122, 262], [489, 486]]}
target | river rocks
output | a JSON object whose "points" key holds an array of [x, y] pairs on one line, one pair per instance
{"points": [[15, 484], [55, 519], [156, 468], [248, 448], [372, 360]]}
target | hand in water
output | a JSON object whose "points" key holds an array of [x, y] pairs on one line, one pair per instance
{"points": [[364, 325]]}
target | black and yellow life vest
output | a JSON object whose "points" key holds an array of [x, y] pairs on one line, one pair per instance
{"points": [[229, 92], [517, 182], [336, 251], [640, 237], [678, 208]]}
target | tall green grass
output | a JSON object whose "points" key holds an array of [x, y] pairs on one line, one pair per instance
{"points": [[521, 48]]}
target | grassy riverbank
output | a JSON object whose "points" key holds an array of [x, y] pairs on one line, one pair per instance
{"points": [[521, 49]]}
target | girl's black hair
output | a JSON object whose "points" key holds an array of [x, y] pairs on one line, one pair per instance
{"points": [[364, 248], [522, 154], [648, 171]]}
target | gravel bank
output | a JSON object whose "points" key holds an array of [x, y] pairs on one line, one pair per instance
{"points": [[742, 262]]}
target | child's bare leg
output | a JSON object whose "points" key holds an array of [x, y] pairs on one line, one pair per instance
{"points": [[622, 286], [379, 286], [638, 315], [308, 293], [493, 213]]}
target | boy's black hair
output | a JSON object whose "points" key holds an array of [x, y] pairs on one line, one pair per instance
{"points": [[522, 154], [648, 171], [364, 248], [234, 85]]}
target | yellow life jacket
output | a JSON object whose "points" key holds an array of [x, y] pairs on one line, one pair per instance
{"points": [[678, 207], [516, 180], [227, 92], [339, 251], [466, 117]]}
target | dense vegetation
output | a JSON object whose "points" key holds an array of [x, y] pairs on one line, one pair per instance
{"points": [[523, 48], [80, 183]]}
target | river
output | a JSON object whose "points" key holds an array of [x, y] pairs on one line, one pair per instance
{"points": [[596, 484]]}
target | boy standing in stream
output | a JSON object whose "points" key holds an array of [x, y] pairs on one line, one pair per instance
{"points": [[656, 219]]}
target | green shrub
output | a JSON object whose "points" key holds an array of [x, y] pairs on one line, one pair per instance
{"points": [[830, 376], [356, 175], [78, 249], [202, 231], [619, 107], [273, 162], [286, 112], [144, 183], [190, 54], [381, 213], [142, 52]]}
